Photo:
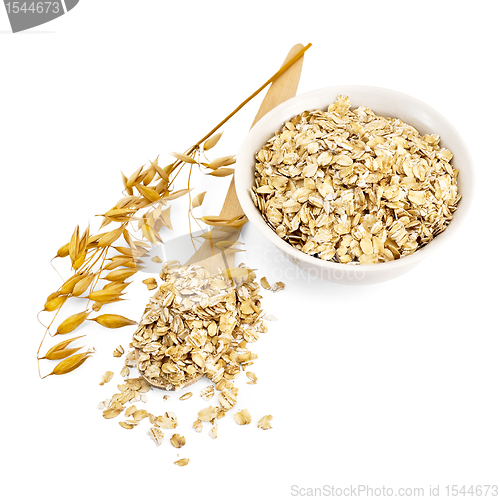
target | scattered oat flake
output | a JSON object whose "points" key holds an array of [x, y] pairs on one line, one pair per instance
{"points": [[156, 435], [265, 422], [156, 259], [278, 286], [106, 378], [252, 377], [150, 283], [242, 417], [182, 462], [185, 396], [111, 413], [167, 421], [265, 284], [177, 441], [140, 415], [166, 398], [207, 414], [207, 393], [118, 352], [130, 410], [213, 431], [126, 425], [227, 398], [198, 425], [125, 372]]}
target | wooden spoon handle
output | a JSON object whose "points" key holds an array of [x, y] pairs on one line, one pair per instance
{"points": [[282, 89], [285, 87]]}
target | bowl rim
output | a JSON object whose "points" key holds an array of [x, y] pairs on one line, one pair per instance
{"points": [[255, 216]]}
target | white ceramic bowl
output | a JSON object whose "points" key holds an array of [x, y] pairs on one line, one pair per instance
{"points": [[382, 102]]}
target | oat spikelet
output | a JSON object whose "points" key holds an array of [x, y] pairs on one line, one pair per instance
{"points": [[70, 283], [104, 296], [63, 251], [83, 284], [150, 175], [224, 161], [183, 157], [54, 303], [177, 194], [120, 213], [113, 321], [222, 172], [198, 200], [149, 193], [72, 363], [59, 351], [128, 190], [73, 244], [109, 238], [161, 172], [119, 261], [72, 323], [133, 178], [212, 141], [120, 274]]}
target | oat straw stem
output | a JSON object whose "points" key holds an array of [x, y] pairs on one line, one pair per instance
{"points": [[292, 61], [98, 275]]}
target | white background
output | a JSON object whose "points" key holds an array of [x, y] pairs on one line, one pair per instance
{"points": [[395, 384]]}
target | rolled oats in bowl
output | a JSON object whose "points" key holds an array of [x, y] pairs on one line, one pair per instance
{"points": [[348, 186]]}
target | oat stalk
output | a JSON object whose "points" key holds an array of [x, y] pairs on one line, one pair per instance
{"points": [[147, 196]]}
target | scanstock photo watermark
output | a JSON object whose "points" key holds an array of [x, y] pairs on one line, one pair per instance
{"points": [[367, 491], [26, 15]]}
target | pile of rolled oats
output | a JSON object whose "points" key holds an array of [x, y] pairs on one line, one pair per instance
{"points": [[195, 324], [349, 186], [198, 324]]}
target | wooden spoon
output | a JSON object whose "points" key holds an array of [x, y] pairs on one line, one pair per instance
{"points": [[284, 88], [207, 256]]}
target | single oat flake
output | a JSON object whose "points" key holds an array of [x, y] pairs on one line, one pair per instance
{"points": [[156, 435], [265, 422], [207, 414], [106, 378], [213, 431], [242, 417], [118, 352], [207, 393], [177, 441], [198, 425]]}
